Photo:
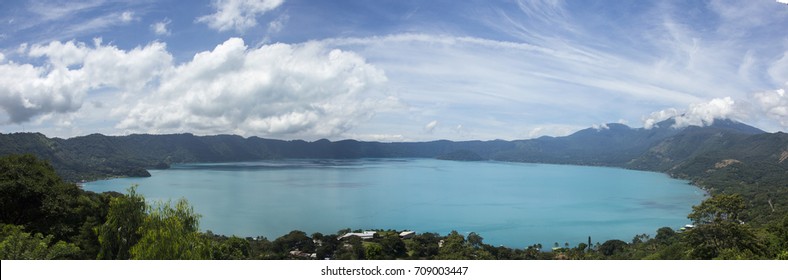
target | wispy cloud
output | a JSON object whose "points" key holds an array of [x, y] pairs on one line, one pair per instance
{"points": [[45, 21], [127, 16], [97, 24], [278, 24], [237, 15], [430, 127], [160, 28], [58, 10]]}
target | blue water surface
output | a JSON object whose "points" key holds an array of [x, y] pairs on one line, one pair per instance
{"points": [[510, 204]]}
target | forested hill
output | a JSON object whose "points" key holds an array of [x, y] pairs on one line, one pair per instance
{"points": [[725, 157], [683, 152]]}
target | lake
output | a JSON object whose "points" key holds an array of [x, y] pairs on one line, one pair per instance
{"points": [[510, 204]]}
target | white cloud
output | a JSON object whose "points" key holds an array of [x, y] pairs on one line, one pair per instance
{"points": [[238, 14], [704, 114], [96, 24], [520, 69], [554, 130], [502, 89], [778, 71], [292, 91], [49, 11], [69, 72], [278, 90], [701, 114], [470, 79], [536, 132], [774, 104], [160, 28], [277, 25], [379, 137], [127, 16], [22, 49], [656, 117], [61, 55], [602, 126], [431, 126]]}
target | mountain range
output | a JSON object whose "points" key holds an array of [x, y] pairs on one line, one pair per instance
{"points": [[723, 157], [664, 148]]}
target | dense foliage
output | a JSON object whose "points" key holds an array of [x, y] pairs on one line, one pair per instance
{"points": [[60, 221]]}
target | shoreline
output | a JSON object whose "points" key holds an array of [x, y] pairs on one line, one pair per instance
{"points": [[693, 195]]}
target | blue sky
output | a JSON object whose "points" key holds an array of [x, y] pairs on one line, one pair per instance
{"points": [[388, 70]]}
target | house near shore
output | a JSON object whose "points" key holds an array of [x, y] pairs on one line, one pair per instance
{"points": [[299, 253], [686, 227], [363, 235], [407, 234]]}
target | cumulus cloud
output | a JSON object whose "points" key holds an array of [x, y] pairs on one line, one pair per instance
{"points": [[238, 14], [69, 71], [656, 117], [701, 114], [279, 90], [160, 28], [704, 114], [295, 91]]}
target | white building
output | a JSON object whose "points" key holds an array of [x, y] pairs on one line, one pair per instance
{"points": [[363, 235], [407, 234]]}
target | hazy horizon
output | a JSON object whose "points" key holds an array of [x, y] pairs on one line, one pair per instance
{"points": [[597, 127]]}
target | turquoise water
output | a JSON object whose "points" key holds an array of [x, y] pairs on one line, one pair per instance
{"points": [[510, 204]]}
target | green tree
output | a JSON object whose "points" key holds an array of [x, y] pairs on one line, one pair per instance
{"points": [[373, 251], [718, 229], [92, 211], [423, 245], [170, 233], [454, 247], [34, 196], [325, 245], [718, 208], [665, 235], [352, 248], [15, 244], [777, 235], [121, 230], [294, 241], [612, 247], [229, 248], [475, 240], [260, 248], [392, 246]]}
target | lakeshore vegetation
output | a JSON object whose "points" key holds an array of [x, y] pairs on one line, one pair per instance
{"points": [[44, 217]]}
